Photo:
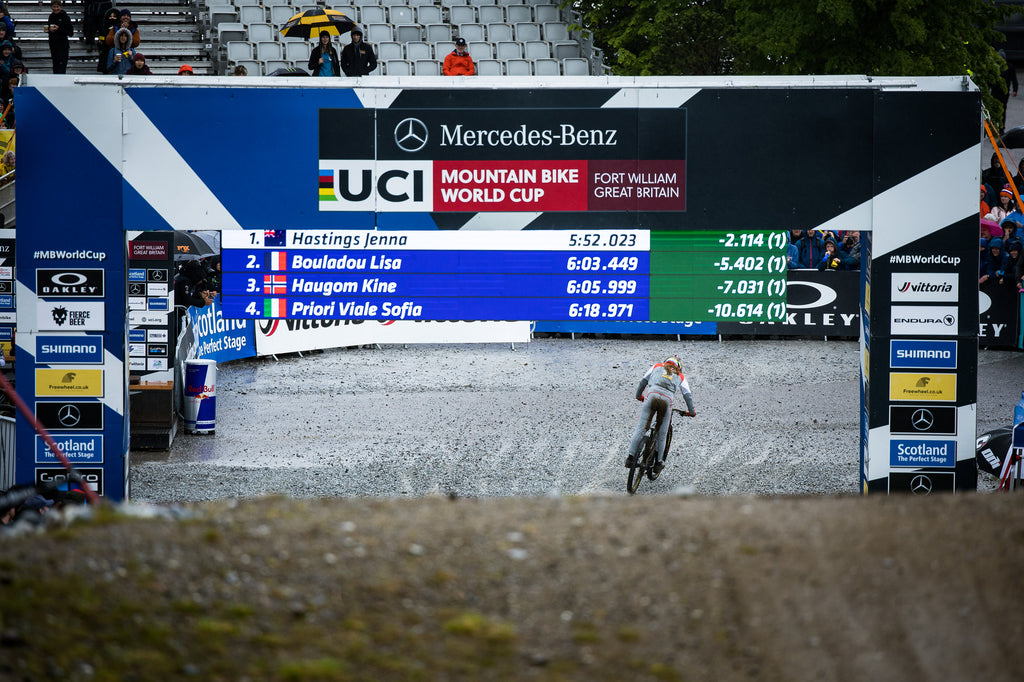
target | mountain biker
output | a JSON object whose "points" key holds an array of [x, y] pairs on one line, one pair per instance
{"points": [[661, 383]]}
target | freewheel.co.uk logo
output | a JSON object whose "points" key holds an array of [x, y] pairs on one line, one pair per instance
{"points": [[933, 386]]}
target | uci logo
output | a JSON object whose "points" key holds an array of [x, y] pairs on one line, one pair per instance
{"points": [[411, 135]]}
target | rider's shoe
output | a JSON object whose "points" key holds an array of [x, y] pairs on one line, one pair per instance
{"points": [[658, 467], [630, 461]]}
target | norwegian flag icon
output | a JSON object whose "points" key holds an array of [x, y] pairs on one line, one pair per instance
{"points": [[275, 284], [273, 238]]}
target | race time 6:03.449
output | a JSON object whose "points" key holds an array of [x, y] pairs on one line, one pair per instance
{"points": [[695, 276]]}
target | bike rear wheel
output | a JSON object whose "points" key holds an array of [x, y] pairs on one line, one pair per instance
{"points": [[651, 473], [643, 461]]}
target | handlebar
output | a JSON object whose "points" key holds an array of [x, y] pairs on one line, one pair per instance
{"points": [[684, 413]]}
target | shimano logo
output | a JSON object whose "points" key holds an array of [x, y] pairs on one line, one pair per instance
{"points": [[924, 354], [565, 135]]}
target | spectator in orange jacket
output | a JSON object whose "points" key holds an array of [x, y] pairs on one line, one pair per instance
{"points": [[458, 62]]}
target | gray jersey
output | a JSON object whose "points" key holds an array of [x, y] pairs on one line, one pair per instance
{"points": [[665, 384]]}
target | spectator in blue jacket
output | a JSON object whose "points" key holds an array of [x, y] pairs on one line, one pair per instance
{"points": [[121, 57], [812, 249], [996, 261], [831, 260], [982, 258]]}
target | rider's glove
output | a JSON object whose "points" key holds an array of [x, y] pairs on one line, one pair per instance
{"points": [[692, 413], [641, 398]]}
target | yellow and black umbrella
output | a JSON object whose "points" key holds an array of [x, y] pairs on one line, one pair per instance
{"points": [[309, 24]]}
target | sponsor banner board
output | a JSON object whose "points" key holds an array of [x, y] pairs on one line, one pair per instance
{"points": [[138, 318], [922, 420], [69, 282], [140, 249], [925, 287], [219, 339], [73, 415], [923, 320], [906, 452], [67, 349], [59, 476], [998, 316], [911, 386], [922, 354], [69, 382], [63, 316], [291, 336], [585, 327], [922, 482], [817, 304], [78, 449]]}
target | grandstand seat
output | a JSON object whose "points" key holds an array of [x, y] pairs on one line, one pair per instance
{"points": [[566, 49], [379, 33], [462, 14], [274, 64], [219, 13], [442, 48], [248, 3], [279, 14], [546, 67], [546, 13], [258, 32], [418, 50], [472, 32], [268, 49], [555, 31], [576, 66], [436, 32], [230, 31], [421, 3], [490, 14], [536, 49], [392, 3], [254, 14], [480, 50], [297, 51], [398, 15], [372, 14], [489, 67], [350, 11], [305, 8], [508, 50], [453, 3], [477, 3], [515, 14], [499, 32], [251, 65], [239, 49], [407, 33], [398, 67], [389, 50], [428, 14], [527, 31], [427, 67], [518, 67]]}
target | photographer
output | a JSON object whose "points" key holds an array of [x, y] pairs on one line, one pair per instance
{"points": [[849, 252]]}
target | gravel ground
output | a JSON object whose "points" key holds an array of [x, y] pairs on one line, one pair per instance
{"points": [[775, 417]]}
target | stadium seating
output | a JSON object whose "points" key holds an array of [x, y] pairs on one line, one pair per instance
{"points": [[506, 37]]}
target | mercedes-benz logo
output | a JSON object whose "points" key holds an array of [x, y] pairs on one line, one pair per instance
{"points": [[411, 135], [920, 485], [136, 289], [922, 419], [157, 276], [69, 415]]}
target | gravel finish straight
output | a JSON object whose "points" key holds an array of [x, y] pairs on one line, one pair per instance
{"points": [[774, 417]]}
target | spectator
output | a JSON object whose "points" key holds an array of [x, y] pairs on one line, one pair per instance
{"points": [[982, 257], [1010, 278], [849, 252], [831, 260], [240, 70], [186, 70], [1005, 206], [1009, 229], [124, 20], [6, 35], [357, 58], [323, 59], [458, 62], [994, 177], [985, 208], [110, 23], [121, 57], [7, 162], [92, 19], [7, 21], [191, 288], [139, 66], [59, 31], [6, 59], [996, 261], [1018, 272], [812, 249], [792, 255]]}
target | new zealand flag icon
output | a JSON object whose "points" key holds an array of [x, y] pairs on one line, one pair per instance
{"points": [[273, 238]]}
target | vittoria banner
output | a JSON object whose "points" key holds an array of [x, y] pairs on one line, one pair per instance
{"points": [[458, 160]]}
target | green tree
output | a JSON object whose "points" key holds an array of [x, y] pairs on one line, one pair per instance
{"points": [[790, 37]]}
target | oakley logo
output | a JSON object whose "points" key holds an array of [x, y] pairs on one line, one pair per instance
{"points": [[411, 135]]}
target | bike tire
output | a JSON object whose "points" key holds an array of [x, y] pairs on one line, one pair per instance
{"points": [[636, 472], [651, 474]]}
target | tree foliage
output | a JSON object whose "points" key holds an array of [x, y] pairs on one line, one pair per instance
{"points": [[790, 37]]}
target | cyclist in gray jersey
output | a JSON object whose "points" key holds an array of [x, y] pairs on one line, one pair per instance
{"points": [[656, 391]]}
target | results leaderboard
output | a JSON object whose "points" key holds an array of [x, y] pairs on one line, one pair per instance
{"points": [[560, 275]]}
